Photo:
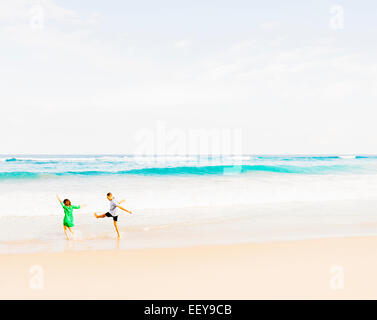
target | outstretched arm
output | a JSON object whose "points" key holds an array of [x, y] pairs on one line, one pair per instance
{"points": [[121, 208], [79, 207], [57, 197], [121, 201]]}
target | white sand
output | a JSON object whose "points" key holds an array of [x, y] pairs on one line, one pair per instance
{"points": [[283, 270]]}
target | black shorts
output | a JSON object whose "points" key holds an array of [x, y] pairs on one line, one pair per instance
{"points": [[110, 216]]}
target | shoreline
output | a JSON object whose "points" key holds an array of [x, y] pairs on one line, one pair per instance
{"points": [[187, 227], [329, 268]]}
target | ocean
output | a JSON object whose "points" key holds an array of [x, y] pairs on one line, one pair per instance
{"points": [[185, 200]]}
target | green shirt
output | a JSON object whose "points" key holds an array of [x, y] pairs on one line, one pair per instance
{"points": [[68, 216]]}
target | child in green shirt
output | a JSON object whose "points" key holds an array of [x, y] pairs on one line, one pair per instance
{"points": [[68, 215]]}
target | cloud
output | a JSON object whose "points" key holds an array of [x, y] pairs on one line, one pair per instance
{"points": [[254, 79], [182, 44], [23, 11], [305, 70], [57, 34], [269, 25]]}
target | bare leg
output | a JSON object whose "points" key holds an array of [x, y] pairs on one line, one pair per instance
{"points": [[65, 231], [70, 230], [99, 216], [116, 228]]}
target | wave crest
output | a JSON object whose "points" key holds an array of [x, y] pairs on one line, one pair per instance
{"points": [[196, 170]]}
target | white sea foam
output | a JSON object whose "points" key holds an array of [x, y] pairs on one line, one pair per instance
{"points": [[36, 197]]}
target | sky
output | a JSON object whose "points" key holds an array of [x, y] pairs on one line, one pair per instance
{"points": [[104, 77]]}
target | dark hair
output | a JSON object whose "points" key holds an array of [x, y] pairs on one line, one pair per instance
{"points": [[109, 194], [67, 202]]}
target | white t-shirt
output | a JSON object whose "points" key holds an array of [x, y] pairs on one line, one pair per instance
{"points": [[113, 208]]}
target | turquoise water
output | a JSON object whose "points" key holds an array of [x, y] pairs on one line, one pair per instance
{"points": [[34, 166], [185, 200]]}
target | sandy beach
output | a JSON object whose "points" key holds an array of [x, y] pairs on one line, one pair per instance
{"points": [[190, 150], [341, 268]]}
